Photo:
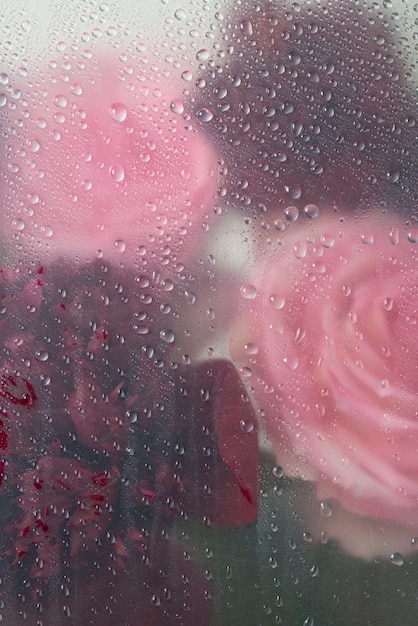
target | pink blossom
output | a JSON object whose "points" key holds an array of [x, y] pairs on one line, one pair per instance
{"points": [[333, 369], [103, 168]]}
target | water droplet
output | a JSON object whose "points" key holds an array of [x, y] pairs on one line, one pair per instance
{"points": [[388, 304], [292, 213], [120, 245], [118, 111], [117, 173], [277, 301], [311, 210], [326, 509], [277, 471], [177, 106], [248, 292], [394, 236], [246, 426], [26, 25], [397, 559], [42, 355], [393, 176], [167, 336], [180, 14], [187, 76], [47, 231], [246, 27], [367, 238], [293, 191], [300, 250], [205, 115], [251, 348], [34, 145], [60, 101], [3, 99], [203, 55], [327, 240], [18, 224], [413, 235]]}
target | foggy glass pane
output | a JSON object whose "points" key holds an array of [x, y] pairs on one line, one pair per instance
{"points": [[208, 315]]}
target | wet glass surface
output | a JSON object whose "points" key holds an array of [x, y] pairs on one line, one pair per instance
{"points": [[208, 398]]}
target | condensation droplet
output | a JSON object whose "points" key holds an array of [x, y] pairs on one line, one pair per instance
{"points": [[248, 292], [311, 210], [251, 348], [203, 55], [394, 236], [367, 238], [327, 240], [177, 106], [180, 14], [246, 426], [277, 301], [291, 213], [413, 235], [118, 111], [18, 224], [120, 245], [60, 101], [117, 173], [167, 336], [205, 115], [397, 559]]}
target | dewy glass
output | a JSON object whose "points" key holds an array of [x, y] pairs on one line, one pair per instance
{"points": [[208, 316]]}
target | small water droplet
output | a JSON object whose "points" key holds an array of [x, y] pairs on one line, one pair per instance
{"points": [[327, 240], [118, 111], [413, 235], [117, 173], [120, 245], [246, 426], [187, 76], [397, 559], [311, 210], [203, 55], [278, 471], [205, 115], [167, 336], [246, 27], [367, 238], [47, 231], [277, 301], [393, 176], [180, 14], [251, 348], [300, 250], [326, 509], [291, 213], [60, 101], [248, 292], [18, 224], [177, 106], [388, 304]]}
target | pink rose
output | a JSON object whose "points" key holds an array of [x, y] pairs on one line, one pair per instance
{"points": [[100, 167], [333, 331]]}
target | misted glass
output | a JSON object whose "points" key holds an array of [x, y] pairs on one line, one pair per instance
{"points": [[208, 316]]}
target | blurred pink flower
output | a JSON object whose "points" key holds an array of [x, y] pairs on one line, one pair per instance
{"points": [[334, 335], [102, 168]]}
